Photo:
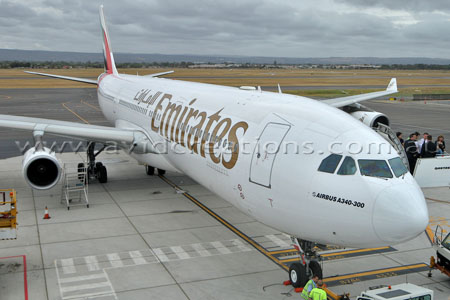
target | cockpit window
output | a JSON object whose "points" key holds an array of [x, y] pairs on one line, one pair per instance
{"points": [[348, 166], [330, 163], [398, 167], [374, 168]]}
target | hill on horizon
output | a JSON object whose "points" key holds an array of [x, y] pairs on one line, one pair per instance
{"points": [[83, 57]]}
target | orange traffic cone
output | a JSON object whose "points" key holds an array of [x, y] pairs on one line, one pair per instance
{"points": [[46, 215]]}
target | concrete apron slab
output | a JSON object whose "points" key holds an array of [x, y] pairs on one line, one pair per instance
{"points": [[141, 239]]}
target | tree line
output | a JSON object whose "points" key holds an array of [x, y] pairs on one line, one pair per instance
{"points": [[137, 65]]}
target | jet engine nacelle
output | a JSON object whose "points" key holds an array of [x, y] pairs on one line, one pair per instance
{"points": [[370, 118], [41, 168]]}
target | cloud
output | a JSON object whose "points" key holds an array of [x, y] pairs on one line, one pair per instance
{"points": [[406, 5], [313, 28]]}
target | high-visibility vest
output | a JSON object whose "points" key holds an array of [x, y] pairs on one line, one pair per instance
{"points": [[318, 294], [309, 286]]}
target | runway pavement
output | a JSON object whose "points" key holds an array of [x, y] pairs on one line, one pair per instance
{"points": [[58, 104], [150, 237]]}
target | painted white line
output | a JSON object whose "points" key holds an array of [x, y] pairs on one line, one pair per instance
{"points": [[57, 276], [240, 245], [137, 257], [110, 285], [200, 250], [221, 248], [81, 278], [277, 241], [180, 252], [91, 296], [68, 267], [85, 287], [114, 260], [92, 263], [161, 255]]}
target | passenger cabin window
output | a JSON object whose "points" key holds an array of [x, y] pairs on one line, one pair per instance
{"points": [[374, 168], [330, 163], [348, 166], [397, 166]]}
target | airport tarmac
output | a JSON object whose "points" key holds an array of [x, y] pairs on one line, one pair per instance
{"points": [[151, 237]]}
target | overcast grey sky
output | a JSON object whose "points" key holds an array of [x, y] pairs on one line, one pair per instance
{"points": [[293, 28]]}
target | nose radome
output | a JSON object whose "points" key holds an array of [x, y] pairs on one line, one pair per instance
{"points": [[400, 214]]}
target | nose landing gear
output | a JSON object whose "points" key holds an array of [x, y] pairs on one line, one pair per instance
{"points": [[301, 272], [151, 170]]}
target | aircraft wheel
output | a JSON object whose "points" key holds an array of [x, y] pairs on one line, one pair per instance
{"points": [[297, 275], [102, 174], [315, 268], [149, 170], [161, 172]]}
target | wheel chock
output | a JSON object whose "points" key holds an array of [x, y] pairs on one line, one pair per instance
{"points": [[298, 290], [287, 282]]}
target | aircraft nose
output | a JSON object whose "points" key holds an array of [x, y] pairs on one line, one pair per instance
{"points": [[400, 213]]}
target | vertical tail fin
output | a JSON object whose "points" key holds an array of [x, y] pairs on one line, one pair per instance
{"points": [[110, 66]]}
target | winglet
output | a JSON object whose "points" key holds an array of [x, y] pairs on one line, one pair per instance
{"points": [[392, 86], [110, 66]]}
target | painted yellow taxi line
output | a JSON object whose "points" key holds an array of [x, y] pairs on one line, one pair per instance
{"points": [[430, 234], [375, 274]]}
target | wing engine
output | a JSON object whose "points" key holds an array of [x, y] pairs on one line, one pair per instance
{"points": [[41, 168]]}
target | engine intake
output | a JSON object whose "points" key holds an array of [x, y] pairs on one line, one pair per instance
{"points": [[41, 169], [370, 118]]}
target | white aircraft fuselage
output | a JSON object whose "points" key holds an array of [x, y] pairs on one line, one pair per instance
{"points": [[241, 145]]}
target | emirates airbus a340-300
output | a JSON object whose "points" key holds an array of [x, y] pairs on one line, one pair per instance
{"points": [[242, 144]]}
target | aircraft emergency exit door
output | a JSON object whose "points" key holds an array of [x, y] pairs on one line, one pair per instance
{"points": [[266, 150]]}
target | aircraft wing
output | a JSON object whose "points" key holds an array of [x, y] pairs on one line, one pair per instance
{"points": [[90, 81], [344, 101], [93, 133]]}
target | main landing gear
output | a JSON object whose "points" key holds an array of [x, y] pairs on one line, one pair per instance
{"points": [[301, 272], [94, 169], [151, 170]]}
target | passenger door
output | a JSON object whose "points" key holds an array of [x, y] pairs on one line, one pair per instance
{"points": [[267, 147]]}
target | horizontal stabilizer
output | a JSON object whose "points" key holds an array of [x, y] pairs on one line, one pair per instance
{"points": [[90, 81]]}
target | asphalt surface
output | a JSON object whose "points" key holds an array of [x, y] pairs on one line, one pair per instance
{"points": [[80, 105], [432, 117], [50, 104]]}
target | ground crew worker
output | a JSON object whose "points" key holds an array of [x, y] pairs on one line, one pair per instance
{"points": [[309, 286], [318, 293]]}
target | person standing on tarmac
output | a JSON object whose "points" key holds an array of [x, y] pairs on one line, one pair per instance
{"points": [[309, 286], [318, 293]]}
